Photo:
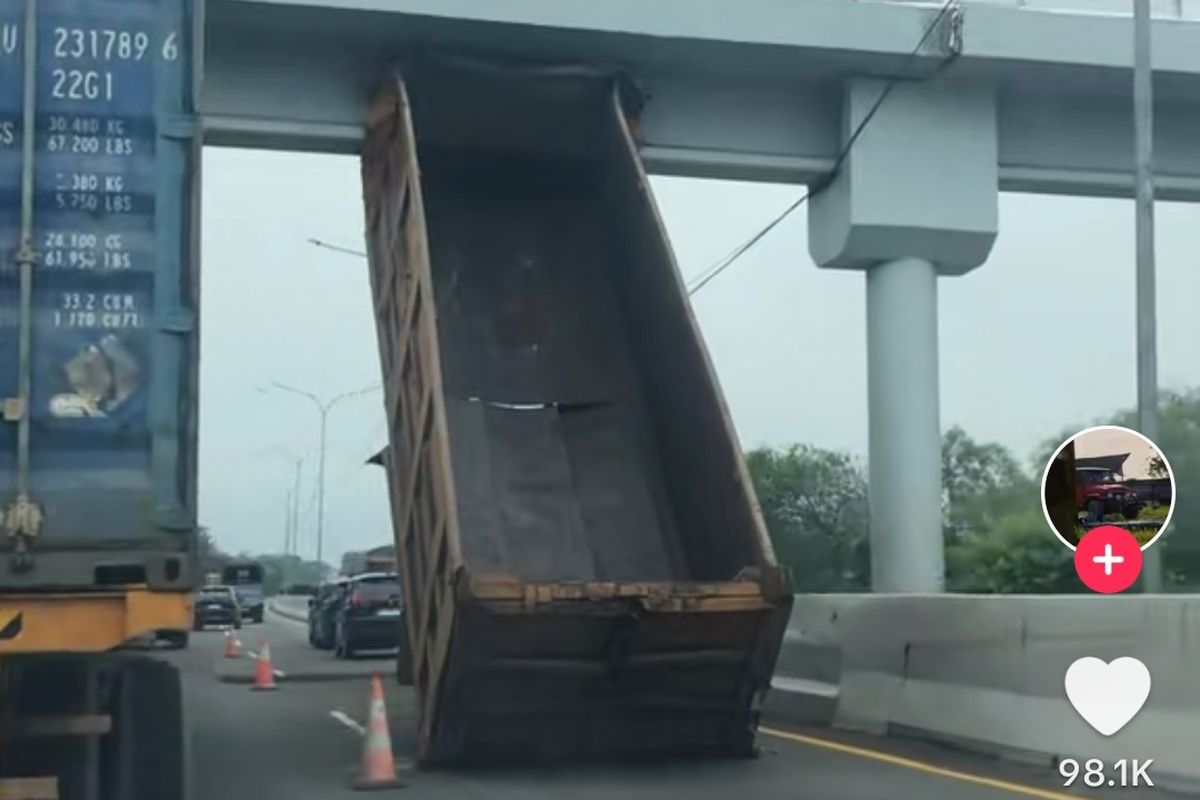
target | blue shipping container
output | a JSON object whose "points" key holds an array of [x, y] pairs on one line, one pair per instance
{"points": [[112, 410]]}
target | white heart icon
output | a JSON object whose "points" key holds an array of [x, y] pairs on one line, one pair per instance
{"points": [[1107, 696]]}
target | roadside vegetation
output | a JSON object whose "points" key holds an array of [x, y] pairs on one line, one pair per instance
{"points": [[278, 570], [997, 541]]}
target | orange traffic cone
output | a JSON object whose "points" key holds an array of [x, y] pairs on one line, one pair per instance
{"points": [[378, 765], [233, 647], [264, 673]]}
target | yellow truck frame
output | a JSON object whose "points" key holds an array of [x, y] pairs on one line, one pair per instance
{"points": [[69, 702], [87, 622]]}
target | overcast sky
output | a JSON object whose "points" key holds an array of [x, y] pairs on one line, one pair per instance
{"points": [[1038, 339]]}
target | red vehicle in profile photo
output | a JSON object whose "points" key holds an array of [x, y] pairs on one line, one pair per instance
{"points": [[1098, 493]]}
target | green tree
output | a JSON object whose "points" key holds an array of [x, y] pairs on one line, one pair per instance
{"points": [[278, 570], [971, 469], [997, 539], [1179, 439], [281, 570], [1015, 554], [814, 504], [1009, 547], [980, 482], [209, 555]]}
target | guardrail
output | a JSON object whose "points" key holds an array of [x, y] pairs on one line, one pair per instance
{"points": [[987, 672]]}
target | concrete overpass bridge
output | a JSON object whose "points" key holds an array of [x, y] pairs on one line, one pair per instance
{"points": [[747, 90], [998, 96], [987, 96]]}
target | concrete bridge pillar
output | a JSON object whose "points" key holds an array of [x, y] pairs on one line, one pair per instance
{"points": [[916, 199]]}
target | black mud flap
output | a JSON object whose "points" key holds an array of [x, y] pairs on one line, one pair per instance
{"points": [[103, 726], [12, 629], [148, 756]]}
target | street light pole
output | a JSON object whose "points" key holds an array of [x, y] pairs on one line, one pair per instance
{"points": [[323, 409], [287, 522], [321, 482], [295, 510], [1147, 323]]}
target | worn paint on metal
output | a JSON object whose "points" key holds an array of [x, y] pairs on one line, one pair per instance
{"points": [[89, 622], [583, 561], [112, 397]]}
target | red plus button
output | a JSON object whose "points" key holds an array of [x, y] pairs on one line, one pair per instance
{"points": [[1108, 559]]}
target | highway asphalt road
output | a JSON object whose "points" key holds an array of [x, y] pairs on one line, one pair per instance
{"points": [[300, 743]]}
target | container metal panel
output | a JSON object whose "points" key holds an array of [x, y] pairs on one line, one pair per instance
{"points": [[114, 346]]}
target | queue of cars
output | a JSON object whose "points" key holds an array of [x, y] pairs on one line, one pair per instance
{"points": [[348, 615], [216, 605], [361, 612], [213, 604]]}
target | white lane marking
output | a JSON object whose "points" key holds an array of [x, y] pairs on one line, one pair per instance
{"points": [[348, 721], [352, 724]]}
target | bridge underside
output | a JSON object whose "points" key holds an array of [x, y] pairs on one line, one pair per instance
{"points": [[754, 97], [998, 97]]}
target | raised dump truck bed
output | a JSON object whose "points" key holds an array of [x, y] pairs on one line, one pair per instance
{"points": [[584, 565]]}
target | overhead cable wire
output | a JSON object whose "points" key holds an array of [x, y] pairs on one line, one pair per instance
{"points": [[337, 248], [824, 181]]}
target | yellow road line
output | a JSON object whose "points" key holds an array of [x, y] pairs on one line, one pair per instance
{"points": [[920, 766]]}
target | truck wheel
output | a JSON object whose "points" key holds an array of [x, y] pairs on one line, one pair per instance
{"points": [[1095, 510], [148, 749], [1131, 512]]}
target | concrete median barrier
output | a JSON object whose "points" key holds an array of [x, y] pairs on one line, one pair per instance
{"points": [[292, 607], [987, 672]]}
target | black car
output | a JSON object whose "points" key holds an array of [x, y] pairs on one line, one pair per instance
{"points": [[369, 615], [216, 605], [322, 613]]}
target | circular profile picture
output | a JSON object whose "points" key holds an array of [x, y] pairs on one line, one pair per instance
{"points": [[1108, 475]]}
